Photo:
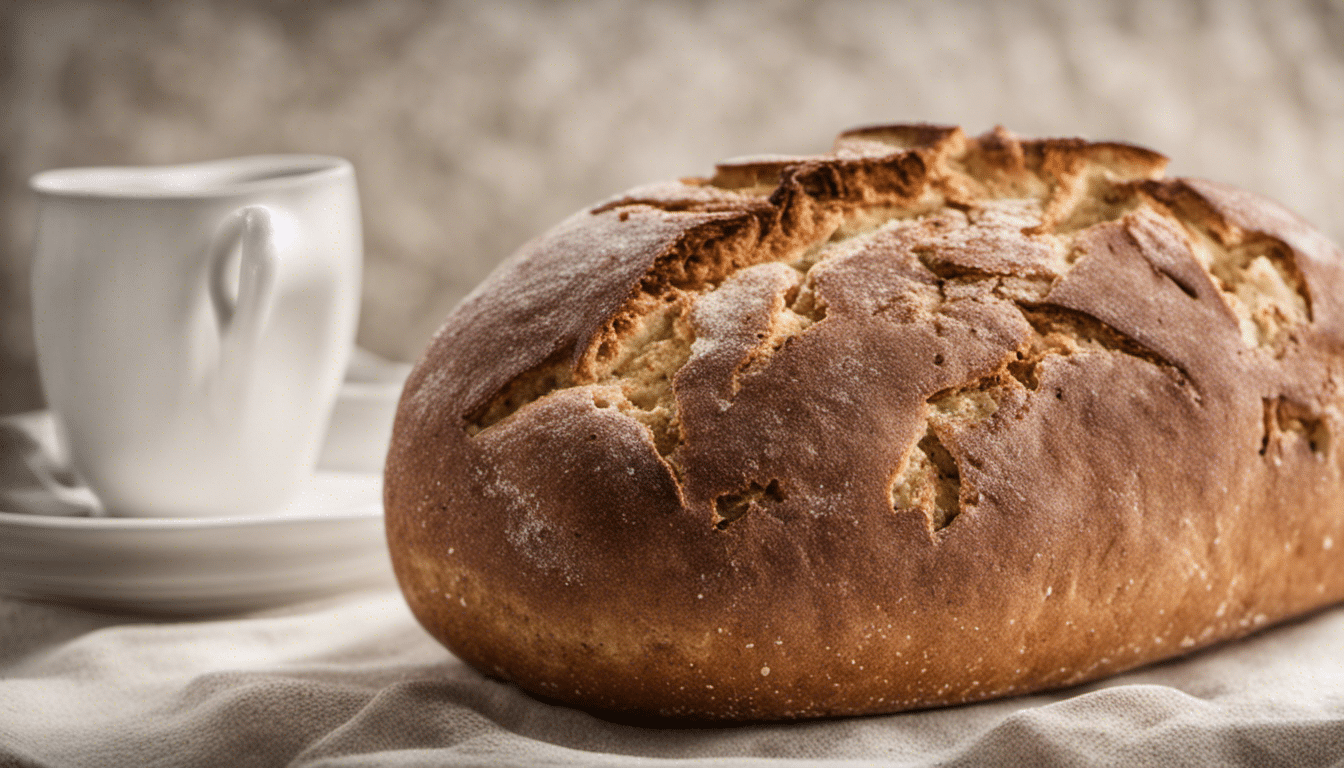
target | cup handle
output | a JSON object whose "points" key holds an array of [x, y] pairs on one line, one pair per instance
{"points": [[252, 231]]}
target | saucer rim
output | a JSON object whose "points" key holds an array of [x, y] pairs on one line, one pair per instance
{"points": [[360, 511], [179, 523]]}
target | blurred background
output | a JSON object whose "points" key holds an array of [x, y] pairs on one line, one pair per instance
{"points": [[475, 126]]}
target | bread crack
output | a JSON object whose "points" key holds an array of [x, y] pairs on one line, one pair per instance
{"points": [[1288, 424], [1060, 331], [946, 270], [929, 478], [552, 374], [1257, 275], [802, 309], [725, 204], [1262, 283], [730, 507], [929, 482], [633, 372], [1092, 198]]}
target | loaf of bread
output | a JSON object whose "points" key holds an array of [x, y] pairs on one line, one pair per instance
{"points": [[927, 420]]}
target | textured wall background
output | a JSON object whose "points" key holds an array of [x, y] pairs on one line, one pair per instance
{"points": [[474, 126]]}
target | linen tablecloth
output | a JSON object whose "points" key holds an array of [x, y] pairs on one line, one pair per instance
{"points": [[354, 681]]}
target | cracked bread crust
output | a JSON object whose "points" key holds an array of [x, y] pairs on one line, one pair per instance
{"points": [[928, 420]]}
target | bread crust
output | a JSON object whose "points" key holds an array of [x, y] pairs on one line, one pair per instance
{"points": [[927, 420]]}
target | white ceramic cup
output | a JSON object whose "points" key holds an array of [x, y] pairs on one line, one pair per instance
{"points": [[193, 324]]}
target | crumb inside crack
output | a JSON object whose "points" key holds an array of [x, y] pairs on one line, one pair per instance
{"points": [[730, 507], [1288, 424], [930, 482], [1257, 275]]}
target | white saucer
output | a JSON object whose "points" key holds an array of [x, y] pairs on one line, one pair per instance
{"points": [[328, 541]]}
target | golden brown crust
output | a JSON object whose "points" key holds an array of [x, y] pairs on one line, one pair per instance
{"points": [[928, 420]]}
